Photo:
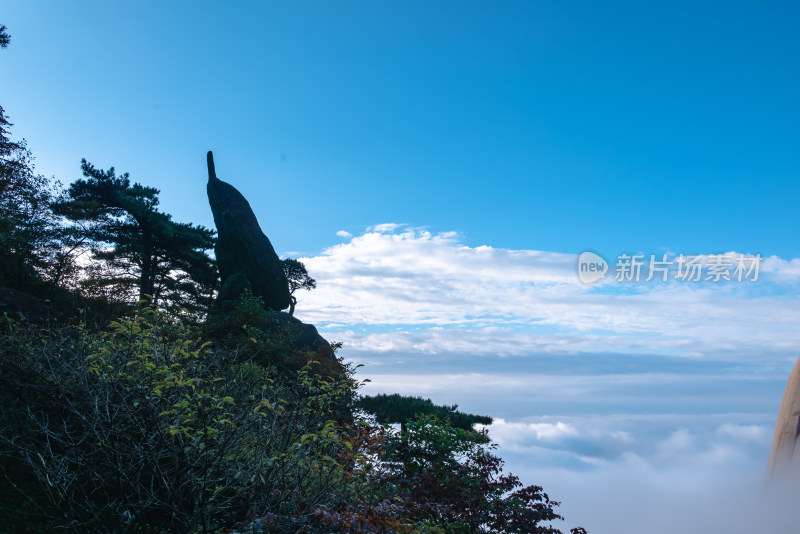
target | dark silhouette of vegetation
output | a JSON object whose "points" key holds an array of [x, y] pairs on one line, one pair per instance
{"points": [[35, 248], [21, 200], [399, 409], [5, 39], [141, 250], [298, 278], [451, 481]]}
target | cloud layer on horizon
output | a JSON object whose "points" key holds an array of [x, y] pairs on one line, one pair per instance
{"points": [[396, 288]]}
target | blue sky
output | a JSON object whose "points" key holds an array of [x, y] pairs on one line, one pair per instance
{"points": [[439, 167]]}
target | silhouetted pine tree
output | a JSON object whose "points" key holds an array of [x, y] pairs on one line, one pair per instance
{"points": [[399, 409], [142, 249]]}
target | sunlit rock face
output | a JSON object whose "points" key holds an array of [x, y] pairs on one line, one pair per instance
{"points": [[785, 455], [245, 257]]}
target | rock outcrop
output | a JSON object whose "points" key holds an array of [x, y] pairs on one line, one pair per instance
{"points": [[245, 256], [785, 454], [247, 261]]}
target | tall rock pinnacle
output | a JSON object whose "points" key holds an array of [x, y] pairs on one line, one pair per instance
{"points": [[245, 257], [785, 455]]}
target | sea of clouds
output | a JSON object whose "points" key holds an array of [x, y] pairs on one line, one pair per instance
{"points": [[643, 407]]}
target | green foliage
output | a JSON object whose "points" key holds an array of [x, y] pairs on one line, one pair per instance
{"points": [[271, 337], [140, 250], [147, 426], [251, 330]]}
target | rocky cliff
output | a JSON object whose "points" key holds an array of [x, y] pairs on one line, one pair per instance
{"points": [[785, 454]]}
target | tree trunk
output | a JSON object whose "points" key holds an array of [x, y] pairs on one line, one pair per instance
{"points": [[147, 283]]}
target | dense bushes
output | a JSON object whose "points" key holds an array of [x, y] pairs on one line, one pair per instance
{"points": [[147, 426]]}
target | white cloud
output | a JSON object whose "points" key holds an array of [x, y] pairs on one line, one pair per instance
{"points": [[679, 442], [632, 497], [783, 270], [743, 432], [642, 445], [344, 233], [385, 228], [516, 301], [508, 433]]}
